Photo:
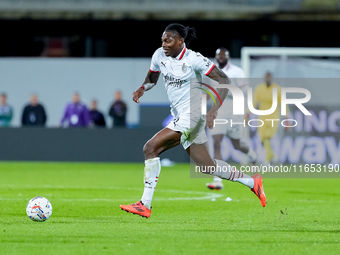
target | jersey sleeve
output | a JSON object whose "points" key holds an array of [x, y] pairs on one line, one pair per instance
{"points": [[242, 82], [241, 73], [202, 64], [154, 66]]}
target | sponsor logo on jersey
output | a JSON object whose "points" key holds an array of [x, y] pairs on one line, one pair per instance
{"points": [[173, 81]]}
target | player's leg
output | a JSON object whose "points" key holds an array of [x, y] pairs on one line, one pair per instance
{"points": [[267, 131], [162, 141], [217, 146], [271, 133], [200, 155], [262, 131], [268, 148], [250, 153], [217, 183], [235, 134], [217, 133], [239, 146]]}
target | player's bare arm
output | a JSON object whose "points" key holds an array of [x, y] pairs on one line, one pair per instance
{"points": [[150, 81], [219, 76]]}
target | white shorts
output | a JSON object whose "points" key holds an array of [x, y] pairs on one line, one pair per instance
{"points": [[191, 134], [234, 131]]}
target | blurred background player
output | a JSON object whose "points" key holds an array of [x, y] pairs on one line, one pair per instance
{"points": [[234, 132], [263, 99], [6, 111], [118, 111], [34, 113], [97, 118], [76, 113]]}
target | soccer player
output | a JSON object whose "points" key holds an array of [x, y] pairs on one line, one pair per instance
{"points": [[263, 99], [234, 132], [178, 65]]}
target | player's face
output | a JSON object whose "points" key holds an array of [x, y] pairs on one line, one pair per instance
{"points": [[93, 104], [75, 98], [268, 78], [221, 58], [172, 44], [34, 100], [118, 96], [3, 100]]}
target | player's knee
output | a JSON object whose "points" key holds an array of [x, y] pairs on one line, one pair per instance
{"points": [[237, 146], [150, 150], [217, 145]]}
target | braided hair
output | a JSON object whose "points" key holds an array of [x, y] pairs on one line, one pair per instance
{"points": [[187, 33]]}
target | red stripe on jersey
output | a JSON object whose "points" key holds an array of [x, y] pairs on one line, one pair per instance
{"points": [[210, 70], [182, 53], [154, 71]]}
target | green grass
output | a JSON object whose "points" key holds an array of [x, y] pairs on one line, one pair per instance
{"points": [[302, 215]]}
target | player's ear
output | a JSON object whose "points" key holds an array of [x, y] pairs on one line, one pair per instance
{"points": [[181, 41]]}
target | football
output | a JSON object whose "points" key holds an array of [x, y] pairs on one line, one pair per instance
{"points": [[39, 209]]}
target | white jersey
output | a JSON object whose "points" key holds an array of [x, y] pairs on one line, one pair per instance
{"points": [[237, 77], [177, 73]]}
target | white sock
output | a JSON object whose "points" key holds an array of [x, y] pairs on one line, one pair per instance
{"points": [[217, 179], [226, 171], [151, 172]]}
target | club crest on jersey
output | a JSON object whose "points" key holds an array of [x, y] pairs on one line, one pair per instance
{"points": [[184, 68]]}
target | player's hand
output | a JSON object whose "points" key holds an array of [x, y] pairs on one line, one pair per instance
{"points": [[211, 116], [137, 94]]}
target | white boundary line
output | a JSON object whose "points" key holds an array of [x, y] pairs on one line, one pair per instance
{"points": [[199, 195]]}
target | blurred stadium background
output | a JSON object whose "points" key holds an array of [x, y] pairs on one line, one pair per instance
{"points": [[54, 48]]}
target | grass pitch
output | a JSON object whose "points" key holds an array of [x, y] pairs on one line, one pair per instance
{"points": [[301, 217]]}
